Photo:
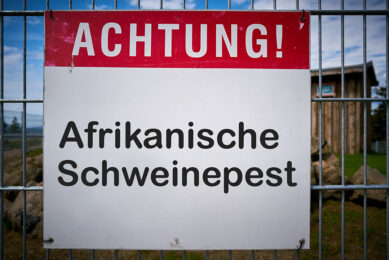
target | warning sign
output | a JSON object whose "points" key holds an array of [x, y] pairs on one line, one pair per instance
{"points": [[176, 130]]}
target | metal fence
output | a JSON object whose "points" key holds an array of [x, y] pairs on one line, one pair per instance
{"points": [[320, 188]]}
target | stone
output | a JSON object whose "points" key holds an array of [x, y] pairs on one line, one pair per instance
{"points": [[34, 213], [374, 197]]}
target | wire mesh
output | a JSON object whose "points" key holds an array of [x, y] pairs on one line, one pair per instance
{"points": [[319, 12]]}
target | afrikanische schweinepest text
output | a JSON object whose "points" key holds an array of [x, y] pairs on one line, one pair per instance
{"points": [[126, 135]]}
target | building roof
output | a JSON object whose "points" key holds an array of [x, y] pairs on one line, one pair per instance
{"points": [[348, 70]]}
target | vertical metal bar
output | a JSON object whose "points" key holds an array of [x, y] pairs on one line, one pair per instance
{"points": [[252, 255], [183, 4], [343, 125], [117, 255], [229, 255], [206, 4], [364, 138], [274, 4], [2, 133], [252, 4], [70, 254], [70, 5], [297, 4], [93, 4], [320, 131], [298, 254], [161, 4], [161, 254], [229, 4], [116, 4], [206, 255], [387, 130], [275, 255], [93, 254], [138, 5], [24, 134], [47, 4], [138, 255], [47, 254], [184, 255]]}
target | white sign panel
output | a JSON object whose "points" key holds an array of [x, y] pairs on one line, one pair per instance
{"points": [[176, 130]]}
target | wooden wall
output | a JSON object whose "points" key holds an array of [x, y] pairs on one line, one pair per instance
{"points": [[332, 114]]}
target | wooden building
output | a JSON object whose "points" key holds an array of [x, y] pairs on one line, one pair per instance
{"points": [[332, 111]]}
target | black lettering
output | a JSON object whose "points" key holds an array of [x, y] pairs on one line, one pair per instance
{"points": [[102, 134], [243, 132], [227, 181], [250, 176], [289, 170], [135, 173], [90, 130], [62, 169], [274, 177], [132, 137], [105, 171], [65, 138], [185, 175], [205, 138], [180, 134], [207, 176], [220, 139], [265, 137], [85, 180], [117, 135], [154, 176], [156, 139]]}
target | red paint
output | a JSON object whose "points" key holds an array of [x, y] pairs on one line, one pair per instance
{"points": [[61, 32]]}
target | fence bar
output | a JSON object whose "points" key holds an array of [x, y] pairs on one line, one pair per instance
{"points": [[320, 131], [2, 133], [312, 12], [116, 4], [116, 252], [93, 4], [21, 188], [364, 138], [386, 100], [93, 254], [343, 126], [47, 254], [207, 255], [275, 254], [21, 100], [387, 131], [229, 255], [184, 255], [350, 187], [161, 254], [274, 4], [252, 255], [70, 254], [24, 148]]}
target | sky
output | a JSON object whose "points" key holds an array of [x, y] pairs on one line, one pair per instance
{"points": [[331, 35]]}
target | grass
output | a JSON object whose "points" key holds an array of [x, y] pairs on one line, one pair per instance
{"points": [[354, 161]]}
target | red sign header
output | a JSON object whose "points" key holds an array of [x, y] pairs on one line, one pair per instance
{"points": [[177, 39]]}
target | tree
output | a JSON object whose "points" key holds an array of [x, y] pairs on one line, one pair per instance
{"points": [[378, 117], [15, 126]]}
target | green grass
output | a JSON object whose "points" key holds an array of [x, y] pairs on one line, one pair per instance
{"points": [[354, 161]]}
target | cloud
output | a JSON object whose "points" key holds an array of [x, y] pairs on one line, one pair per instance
{"points": [[99, 7], [32, 20], [167, 4]]}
